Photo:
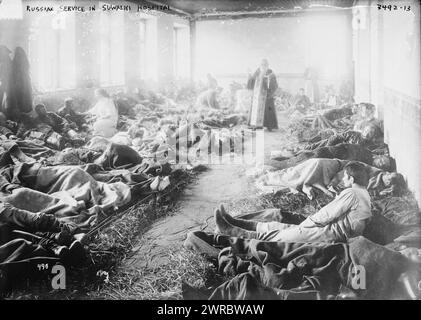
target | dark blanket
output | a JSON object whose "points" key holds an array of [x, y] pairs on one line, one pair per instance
{"points": [[274, 215], [52, 119], [125, 107], [72, 116], [33, 149], [351, 137], [118, 156], [21, 250], [401, 210], [19, 257], [397, 220], [277, 270], [224, 122], [338, 113]]}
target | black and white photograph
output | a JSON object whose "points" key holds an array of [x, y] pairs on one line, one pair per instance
{"points": [[213, 150]]}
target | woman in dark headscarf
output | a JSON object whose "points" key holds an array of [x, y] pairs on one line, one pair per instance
{"points": [[5, 69], [20, 88]]}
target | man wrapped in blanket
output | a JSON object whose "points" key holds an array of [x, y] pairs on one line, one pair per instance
{"points": [[343, 218], [25, 234]]}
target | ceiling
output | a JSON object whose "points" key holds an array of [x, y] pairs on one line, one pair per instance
{"points": [[225, 8]]}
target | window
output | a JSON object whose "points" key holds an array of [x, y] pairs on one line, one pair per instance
{"points": [[148, 47], [111, 52], [52, 53], [181, 51], [142, 48]]}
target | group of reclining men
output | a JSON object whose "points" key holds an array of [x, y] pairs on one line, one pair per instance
{"points": [[57, 129], [21, 225], [279, 255], [26, 235], [344, 217], [62, 128]]}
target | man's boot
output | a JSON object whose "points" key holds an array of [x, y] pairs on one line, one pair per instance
{"points": [[224, 227], [60, 252], [77, 254]]}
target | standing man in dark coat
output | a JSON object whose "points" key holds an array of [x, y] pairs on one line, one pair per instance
{"points": [[262, 112]]}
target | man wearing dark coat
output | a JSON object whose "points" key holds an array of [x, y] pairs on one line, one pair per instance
{"points": [[262, 112]]}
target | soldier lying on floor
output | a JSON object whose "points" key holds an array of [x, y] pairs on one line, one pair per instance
{"points": [[29, 240], [21, 226], [341, 151], [343, 218], [326, 175], [370, 138], [368, 118]]}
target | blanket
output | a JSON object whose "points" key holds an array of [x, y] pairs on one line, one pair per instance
{"points": [[322, 173], [342, 151], [352, 137], [63, 190], [29, 148], [313, 172], [401, 210], [117, 156], [278, 270]]}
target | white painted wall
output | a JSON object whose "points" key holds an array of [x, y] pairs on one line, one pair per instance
{"points": [[387, 60], [228, 48]]}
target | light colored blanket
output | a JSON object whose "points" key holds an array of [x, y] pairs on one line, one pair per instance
{"points": [[81, 186], [308, 174], [323, 174], [65, 191]]}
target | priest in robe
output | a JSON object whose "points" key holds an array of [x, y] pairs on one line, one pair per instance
{"points": [[262, 112]]}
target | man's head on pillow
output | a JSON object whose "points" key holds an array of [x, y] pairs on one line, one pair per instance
{"points": [[367, 110], [384, 162]]}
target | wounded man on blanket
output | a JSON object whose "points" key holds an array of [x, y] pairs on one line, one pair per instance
{"points": [[343, 218]]}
